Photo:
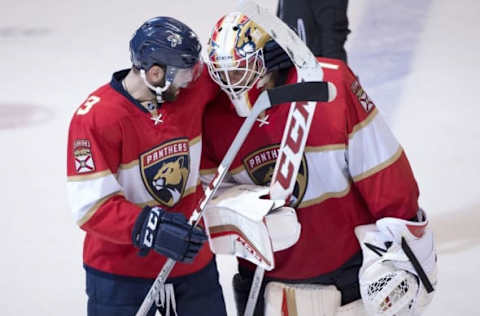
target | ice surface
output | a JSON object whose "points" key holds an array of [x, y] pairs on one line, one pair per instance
{"points": [[418, 60]]}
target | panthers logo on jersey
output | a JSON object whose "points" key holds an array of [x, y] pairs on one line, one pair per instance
{"points": [[165, 171], [261, 164]]}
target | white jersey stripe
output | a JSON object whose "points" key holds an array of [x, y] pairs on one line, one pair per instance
{"points": [[327, 176], [379, 167], [381, 145], [195, 155], [92, 208], [132, 184], [84, 195]]}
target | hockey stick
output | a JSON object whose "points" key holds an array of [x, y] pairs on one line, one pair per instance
{"points": [[299, 117], [267, 99]]}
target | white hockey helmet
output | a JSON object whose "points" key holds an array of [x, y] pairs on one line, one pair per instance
{"points": [[235, 57]]}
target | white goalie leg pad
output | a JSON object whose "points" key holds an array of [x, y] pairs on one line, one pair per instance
{"points": [[389, 284], [306, 300], [301, 299], [355, 308]]}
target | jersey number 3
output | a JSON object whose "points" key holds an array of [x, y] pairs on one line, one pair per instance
{"points": [[87, 105]]}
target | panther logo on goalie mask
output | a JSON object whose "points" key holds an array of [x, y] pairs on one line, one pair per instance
{"points": [[250, 37], [165, 171], [261, 164]]}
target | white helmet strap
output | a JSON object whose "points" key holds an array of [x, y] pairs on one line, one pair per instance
{"points": [[158, 90]]}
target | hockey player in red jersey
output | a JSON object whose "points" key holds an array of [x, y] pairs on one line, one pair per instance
{"points": [[133, 160], [355, 189]]}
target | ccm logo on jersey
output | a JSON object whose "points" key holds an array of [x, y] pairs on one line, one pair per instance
{"points": [[292, 151]]}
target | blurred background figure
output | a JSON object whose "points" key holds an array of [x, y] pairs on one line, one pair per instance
{"points": [[322, 24]]}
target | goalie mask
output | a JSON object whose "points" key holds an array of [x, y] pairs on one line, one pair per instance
{"points": [[235, 57]]}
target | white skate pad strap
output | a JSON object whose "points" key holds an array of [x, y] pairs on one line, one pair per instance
{"points": [[301, 299]]}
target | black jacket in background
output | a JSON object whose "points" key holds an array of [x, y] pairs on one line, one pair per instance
{"points": [[323, 23]]}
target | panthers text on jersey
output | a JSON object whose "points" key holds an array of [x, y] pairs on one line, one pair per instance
{"points": [[121, 157], [353, 171]]}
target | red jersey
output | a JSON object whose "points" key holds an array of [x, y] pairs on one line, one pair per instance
{"points": [[122, 158], [353, 171]]}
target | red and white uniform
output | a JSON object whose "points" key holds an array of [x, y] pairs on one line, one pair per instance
{"points": [[353, 171], [121, 158]]}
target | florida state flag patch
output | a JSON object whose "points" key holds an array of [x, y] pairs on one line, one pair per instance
{"points": [[362, 96], [83, 156], [165, 171]]}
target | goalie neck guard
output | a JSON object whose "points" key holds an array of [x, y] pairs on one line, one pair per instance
{"points": [[235, 57]]}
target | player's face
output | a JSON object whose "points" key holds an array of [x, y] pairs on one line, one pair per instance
{"points": [[242, 76], [182, 79], [236, 77]]}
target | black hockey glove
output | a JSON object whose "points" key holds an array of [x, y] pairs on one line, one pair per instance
{"points": [[275, 57], [167, 233]]}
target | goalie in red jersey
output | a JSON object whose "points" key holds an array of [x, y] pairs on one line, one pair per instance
{"points": [[337, 249], [133, 178]]}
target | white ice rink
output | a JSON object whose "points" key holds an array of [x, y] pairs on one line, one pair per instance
{"points": [[416, 58]]}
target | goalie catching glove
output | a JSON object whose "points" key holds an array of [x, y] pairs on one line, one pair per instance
{"points": [[243, 224], [390, 282], [167, 233]]}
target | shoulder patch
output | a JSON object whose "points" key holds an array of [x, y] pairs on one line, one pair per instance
{"points": [[83, 156], [362, 96]]}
